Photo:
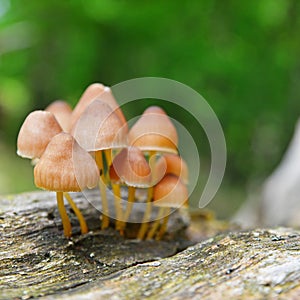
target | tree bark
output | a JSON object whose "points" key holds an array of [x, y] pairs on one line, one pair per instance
{"points": [[37, 261]]}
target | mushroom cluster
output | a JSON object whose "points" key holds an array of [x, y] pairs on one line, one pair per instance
{"points": [[91, 145]]}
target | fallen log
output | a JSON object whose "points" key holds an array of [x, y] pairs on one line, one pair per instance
{"points": [[37, 261]]}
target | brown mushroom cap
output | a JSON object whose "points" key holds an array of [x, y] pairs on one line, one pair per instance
{"points": [[99, 128], [65, 166], [36, 132], [130, 167], [89, 95], [62, 112], [154, 131], [108, 98], [97, 91], [173, 164], [170, 192]]}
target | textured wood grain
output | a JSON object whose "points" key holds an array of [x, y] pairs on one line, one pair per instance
{"points": [[37, 261]]}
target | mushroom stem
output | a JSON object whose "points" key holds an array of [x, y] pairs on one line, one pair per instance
{"points": [[131, 198], [147, 215], [116, 192], [156, 223], [163, 227], [63, 214], [117, 198], [108, 159], [83, 226], [102, 187]]}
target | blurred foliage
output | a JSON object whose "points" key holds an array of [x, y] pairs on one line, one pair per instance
{"points": [[242, 56]]}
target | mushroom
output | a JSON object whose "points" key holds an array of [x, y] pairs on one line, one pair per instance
{"points": [[66, 167], [170, 192], [62, 112], [131, 168], [100, 130], [96, 91], [167, 163], [153, 132], [35, 134]]}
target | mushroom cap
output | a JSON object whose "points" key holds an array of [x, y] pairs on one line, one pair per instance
{"points": [[65, 166], [89, 95], [173, 164], [62, 112], [170, 192], [97, 91], [154, 131], [108, 97], [130, 167], [99, 128], [36, 132]]}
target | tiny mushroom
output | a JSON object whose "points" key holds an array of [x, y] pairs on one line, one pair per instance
{"points": [[170, 192], [100, 130], [131, 168], [97, 91], [35, 134], [153, 132], [66, 167]]}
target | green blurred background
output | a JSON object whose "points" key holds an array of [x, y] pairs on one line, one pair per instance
{"points": [[242, 56]]}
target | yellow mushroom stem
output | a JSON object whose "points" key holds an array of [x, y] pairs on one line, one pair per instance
{"points": [[131, 198], [102, 187], [164, 225], [145, 222], [116, 191], [118, 207], [147, 214], [83, 226], [63, 214], [108, 158]]}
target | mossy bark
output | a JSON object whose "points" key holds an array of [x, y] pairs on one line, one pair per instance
{"points": [[37, 261]]}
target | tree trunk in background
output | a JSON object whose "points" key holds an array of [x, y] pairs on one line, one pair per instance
{"points": [[276, 202]]}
